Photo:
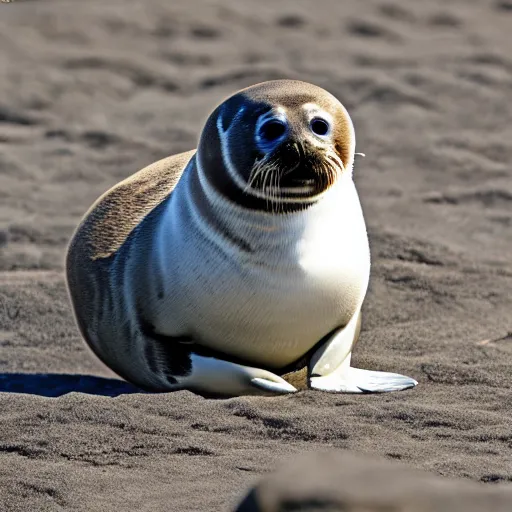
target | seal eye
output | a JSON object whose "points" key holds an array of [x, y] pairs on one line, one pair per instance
{"points": [[271, 130], [319, 126]]}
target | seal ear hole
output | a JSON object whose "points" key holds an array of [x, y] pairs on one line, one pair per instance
{"points": [[272, 130], [320, 126]]}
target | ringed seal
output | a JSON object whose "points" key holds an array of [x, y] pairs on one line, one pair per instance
{"points": [[221, 269]]}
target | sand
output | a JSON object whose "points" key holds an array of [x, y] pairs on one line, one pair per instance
{"points": [[92, 91]]}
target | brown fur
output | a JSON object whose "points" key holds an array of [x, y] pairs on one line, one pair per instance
{"points": [[98, 239], [113, 217]]}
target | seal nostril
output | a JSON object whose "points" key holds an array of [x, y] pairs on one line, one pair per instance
{"points": [[272, 130], [319, 126]]}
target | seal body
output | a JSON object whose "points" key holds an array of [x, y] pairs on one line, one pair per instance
{"points": [[265, 289], [220, 269]]}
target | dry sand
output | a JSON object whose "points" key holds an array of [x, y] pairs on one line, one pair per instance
{"points": [[92, 91]]}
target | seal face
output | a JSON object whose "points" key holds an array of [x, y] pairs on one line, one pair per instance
{"points": [[282, 149], [220, 269]]}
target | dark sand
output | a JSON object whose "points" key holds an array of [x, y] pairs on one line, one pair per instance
{"points": [[92, 91]]}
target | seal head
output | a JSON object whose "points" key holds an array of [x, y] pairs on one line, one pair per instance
{"points": [[283, 144]]}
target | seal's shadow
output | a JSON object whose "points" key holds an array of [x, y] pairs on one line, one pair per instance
{"points": [[58, 384]]}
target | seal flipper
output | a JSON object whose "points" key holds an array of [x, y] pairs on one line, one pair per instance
{"points": [[268, 386], [173, 364], [212, 376], [330, 368], [369, 381], [346, 379]]}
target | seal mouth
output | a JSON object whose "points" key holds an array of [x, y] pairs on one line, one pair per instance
{"points": [[294, 173]]}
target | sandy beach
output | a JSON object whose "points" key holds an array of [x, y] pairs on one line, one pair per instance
{"points": [[91, 92]]}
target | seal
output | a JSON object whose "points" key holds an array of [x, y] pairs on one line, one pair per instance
{"points": [[221, 270]]}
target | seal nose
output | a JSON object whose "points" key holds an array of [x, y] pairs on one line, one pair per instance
{"points": [[291, 155]]}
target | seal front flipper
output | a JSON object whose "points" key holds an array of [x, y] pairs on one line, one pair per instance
{"points": [[212, 376], [174, 363], [369, 381], [272, 387], [355, 380], [330, 368]]}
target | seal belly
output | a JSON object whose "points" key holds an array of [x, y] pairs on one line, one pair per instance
{"points": [[276, 323], [269, 305]]}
